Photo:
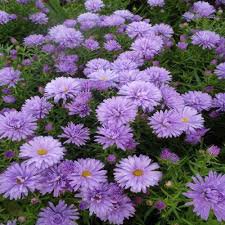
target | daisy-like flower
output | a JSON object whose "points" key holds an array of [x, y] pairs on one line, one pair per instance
{"points": [[37, 107], [34, 40], [18, 180], [116, 110], [220, 71], [154, 3], [133, 56], [206, 39], [137, 173], [166, 124], [203, 9], [114, 135], [9, 76], [219, 102], [89, 173], [42, 152], [6, 17], [164, 30], [139, 29], [96, 64], [148, 47], [143, 94], [62, 88], [94, 5], [76, 134], [62, 214], [191, 119], [121, 65], [39, 18], [88, 20], [198, 100], [17, 126], [65, 36], [208, 194]]}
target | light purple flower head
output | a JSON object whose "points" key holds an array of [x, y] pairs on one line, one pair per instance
{"points": [[70, 23], [16, 126], [112, 45], [124, 13], [18, 180], [95, 65], [198, 100], [6, 17], [163, 30], [148, 47], [9, 76], [75, 134], [94, 5], [133, 56], [188, 16], [62, 88], [37, 107], [166, 124], [42, 152], [214, 150], [88, 20], [157, 75], [120, 65], [220, 71], [154, 3], [112, 21], [219, 102], [166, 154], [137, 173], [9, 99], [39, 18], [34, 40], [116, 110], [206, 39], [119, 135], [89, 173], [143, 94], [62, 214], [65, 36], [203, 9], [139, 29], [195, 136], [91, 44], [208, 194]]}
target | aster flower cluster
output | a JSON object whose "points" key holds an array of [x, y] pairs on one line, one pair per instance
{"points": [[88, 104]]}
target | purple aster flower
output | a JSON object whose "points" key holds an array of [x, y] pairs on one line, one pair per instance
{"points": [[137, 173], [91, 44], [62, 88], [75, 134], [188, 16], [65, 36], [121, 65], [16, 126], [207, 194], [18, 180], [118, 135], [42, 152], [148, 47], [62, 214], [154, 3], [206, 39], [27, 62], [6, 17], [51, 180], [88, 20], [23, 1], [139, 29], [89, 173], [116, 110], [198, 100], [157, 75], [166, 154], [213, 150], [182, 45], [112, 21], [163, 30], [37, 107], [191, 119], [66, 64], [203, 9], [143, 94], [219, 102], [133, 56], [66, 168], [171, 98], [124, 13], [166, 124], [9, 76], [96, 64], [48, 48], [9, 154], [39, 18], [195, 136], [34, 40], [70, 23], [112, 45], [9, 99], [93, 5], [220, 71]]}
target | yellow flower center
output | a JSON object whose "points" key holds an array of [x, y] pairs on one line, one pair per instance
{"points": [[86, 173], [185, 120], [104, 78], [42, 151], [138, 173]]}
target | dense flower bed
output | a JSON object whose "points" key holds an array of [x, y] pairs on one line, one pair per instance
{"points": [[112, 112]]}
